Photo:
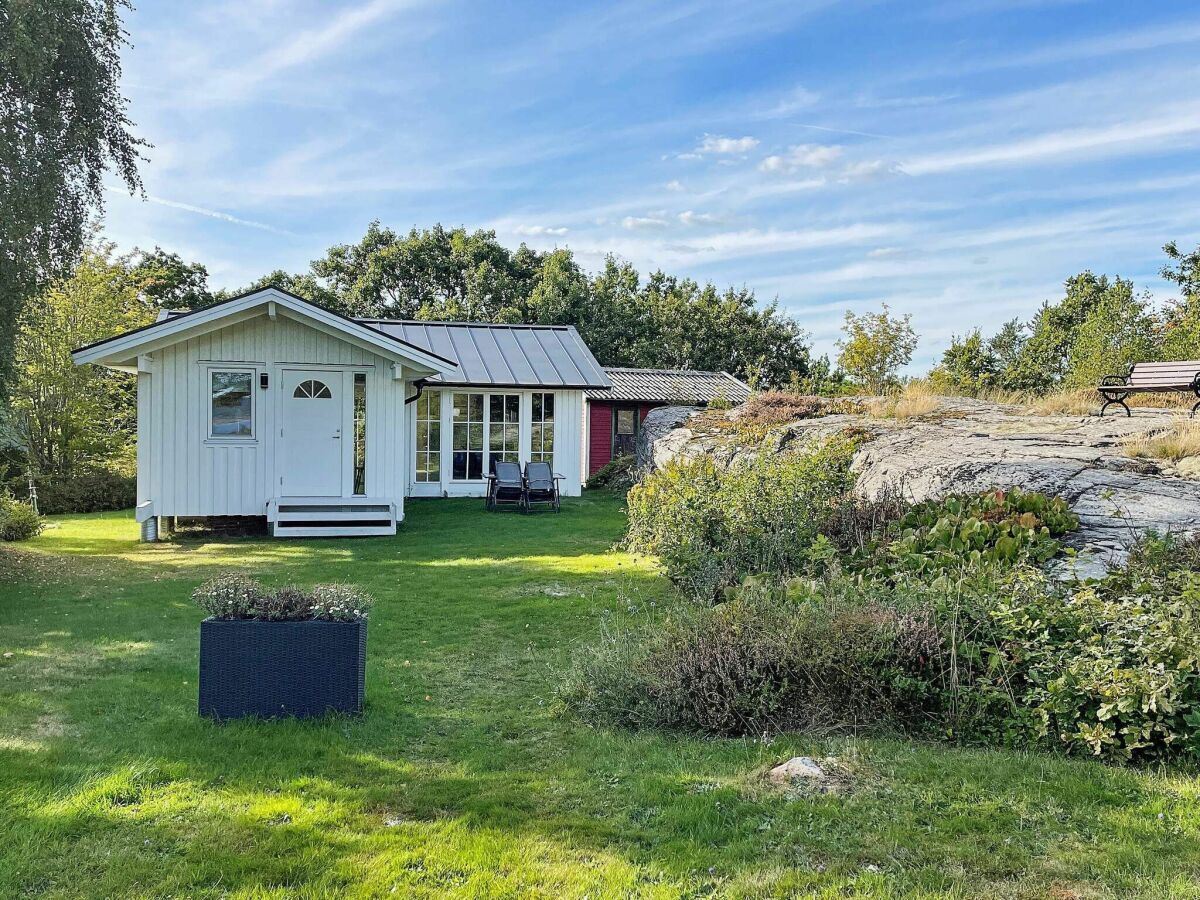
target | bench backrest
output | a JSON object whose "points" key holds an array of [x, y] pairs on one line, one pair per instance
{"points": [[1164, 374]]}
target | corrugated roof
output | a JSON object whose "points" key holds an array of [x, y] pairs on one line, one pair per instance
{"points": [[553, 356], [688, 386]]}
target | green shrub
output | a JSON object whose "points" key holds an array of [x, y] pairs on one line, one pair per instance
{"points": [[996, 526], [617, 472], [1109, 668], [89, 490], [18, 521], [711, 528], [232, 595], [937, 618], [766, 661]]}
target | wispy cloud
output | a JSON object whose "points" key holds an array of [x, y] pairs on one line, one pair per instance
{"points": [[216, 214], [1113, 139], [536, 230]]}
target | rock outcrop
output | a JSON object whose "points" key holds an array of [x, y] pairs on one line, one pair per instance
{"points": [[968, 446]]}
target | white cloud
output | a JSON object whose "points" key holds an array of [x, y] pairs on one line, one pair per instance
{"points": [[869, 170], [690, 217], [811, 156], [675, 186], [715, 143], [534, 230], [639, 223]]}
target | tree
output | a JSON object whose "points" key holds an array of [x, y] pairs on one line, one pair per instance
{"points": [[63, 125], [876, 346], [67, 415], [1118, 331], [1045, 355], [169, 282], [1181, 317], [968, 365], [666, 321]]}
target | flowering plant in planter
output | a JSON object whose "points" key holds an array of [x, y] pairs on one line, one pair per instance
{"points": [[288, 652]]}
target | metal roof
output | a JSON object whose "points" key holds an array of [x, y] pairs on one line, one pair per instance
{"points": [[488, 355], [687, 386]]}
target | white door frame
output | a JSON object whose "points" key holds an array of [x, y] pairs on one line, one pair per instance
{"points": [[346, 419]]}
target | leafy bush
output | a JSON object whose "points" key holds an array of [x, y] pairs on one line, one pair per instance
{"points": [[18, 521], [235, 596], [89, 490], [997, 526], [779, 408], [617, 472], [711, 528], [935, 618]]}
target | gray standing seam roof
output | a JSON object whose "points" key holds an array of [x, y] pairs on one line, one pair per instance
{"points": [[688, 386], [488, 355], [552, 356]]}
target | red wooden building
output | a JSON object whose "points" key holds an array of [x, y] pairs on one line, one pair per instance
{"points": [[614, 415]]}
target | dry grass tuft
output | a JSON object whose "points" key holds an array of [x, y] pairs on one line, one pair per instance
{"points": [[917, 399], [1178, 442]]}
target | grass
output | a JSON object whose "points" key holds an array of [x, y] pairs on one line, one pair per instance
{"points": [[916, 399], [462, 778], [1177, 442]]}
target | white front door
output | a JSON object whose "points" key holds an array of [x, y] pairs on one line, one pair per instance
{"points": [[312, 448]]}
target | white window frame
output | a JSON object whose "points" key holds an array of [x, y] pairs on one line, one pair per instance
{"points": [[536, 452], [435, 416], [234, 368]]}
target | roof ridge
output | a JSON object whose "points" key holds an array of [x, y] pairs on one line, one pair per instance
{"points": [[462, 324]]}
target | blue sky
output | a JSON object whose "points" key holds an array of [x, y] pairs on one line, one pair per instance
{"points": [[955, 158]]}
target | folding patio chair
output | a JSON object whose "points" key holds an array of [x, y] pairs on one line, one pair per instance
{"points": [[541, 485], [505, 485]]}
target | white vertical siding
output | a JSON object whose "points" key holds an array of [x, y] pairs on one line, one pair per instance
{"points": [[186, 474]]}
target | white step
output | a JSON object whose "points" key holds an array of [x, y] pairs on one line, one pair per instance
{"points": [[331, 516], [291, 514], [282, 530]]}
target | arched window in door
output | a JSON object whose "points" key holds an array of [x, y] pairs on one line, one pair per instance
{"points": [[312, 390]]}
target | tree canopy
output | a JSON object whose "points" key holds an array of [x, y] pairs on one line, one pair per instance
{"points": [[875, 347], [63, 125], [661, 321], [1100, 326]]}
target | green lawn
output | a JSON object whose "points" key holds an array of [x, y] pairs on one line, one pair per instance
{"points": [[461, 778]]}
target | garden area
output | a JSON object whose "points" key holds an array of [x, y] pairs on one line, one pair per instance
{"points": [[493, 757]]}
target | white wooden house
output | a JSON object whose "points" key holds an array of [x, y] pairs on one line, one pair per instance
{"points": [[267, 405]]}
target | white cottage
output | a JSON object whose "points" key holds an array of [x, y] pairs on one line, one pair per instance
{"points": [[267, 405]]}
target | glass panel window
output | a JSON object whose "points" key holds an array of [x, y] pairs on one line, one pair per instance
{"points": [[429, 436], [541, 447], [468, 437], [360, 434], [232, 404], [504, 413], [625, 427], [313, 390]]}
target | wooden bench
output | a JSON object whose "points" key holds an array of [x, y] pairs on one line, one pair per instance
{"points": [[1151, 378]]}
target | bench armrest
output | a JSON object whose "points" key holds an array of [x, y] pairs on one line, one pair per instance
{"points": [[1114, 380]]}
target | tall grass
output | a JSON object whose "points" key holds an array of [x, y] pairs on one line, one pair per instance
{"points": [[915, 399], [1178, 442]]}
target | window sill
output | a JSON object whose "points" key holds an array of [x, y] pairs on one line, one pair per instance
{"points": [[230, 442]]}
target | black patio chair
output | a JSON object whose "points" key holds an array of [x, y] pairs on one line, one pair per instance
{"points": [[541, 485], [505, 485]]}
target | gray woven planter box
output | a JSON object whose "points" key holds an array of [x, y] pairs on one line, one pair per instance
{"points": [[268, 669]]}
